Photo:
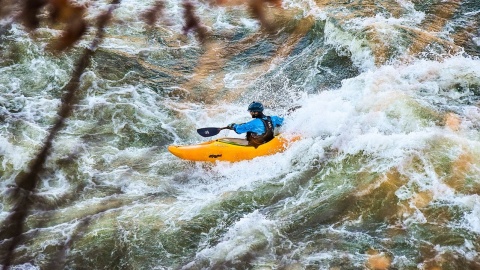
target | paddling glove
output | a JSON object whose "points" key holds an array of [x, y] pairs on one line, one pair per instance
{"points": [[231, 126]]}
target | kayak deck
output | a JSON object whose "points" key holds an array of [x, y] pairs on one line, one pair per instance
{"points": [[229, 149]]}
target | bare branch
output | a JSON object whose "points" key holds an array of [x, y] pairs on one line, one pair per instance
{"points": [[192, 22], [13, 225], [152, 15]]}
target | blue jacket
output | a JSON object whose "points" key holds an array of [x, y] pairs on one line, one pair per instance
{"points": [[256, 125]]}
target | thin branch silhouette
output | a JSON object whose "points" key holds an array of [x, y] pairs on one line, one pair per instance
{"points": [[14, 224]]}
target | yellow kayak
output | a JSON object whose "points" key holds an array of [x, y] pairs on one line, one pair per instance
{"points": [[230, 149]]}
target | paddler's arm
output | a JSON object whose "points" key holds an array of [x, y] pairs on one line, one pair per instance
{"points": [[277, 121], [255, 126]]}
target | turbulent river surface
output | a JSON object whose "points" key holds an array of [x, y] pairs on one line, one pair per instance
{"points": [[386, 175]]}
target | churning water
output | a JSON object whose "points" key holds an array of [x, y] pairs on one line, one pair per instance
{"points": [[386, 176]]}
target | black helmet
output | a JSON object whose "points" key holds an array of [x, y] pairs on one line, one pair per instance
{"points": [[255, 107]]}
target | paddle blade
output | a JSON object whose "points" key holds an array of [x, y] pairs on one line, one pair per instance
{"points": [[209, 131], [291, 110]]}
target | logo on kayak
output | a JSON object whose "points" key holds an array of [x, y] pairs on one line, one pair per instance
{"points": [[215, 156]]}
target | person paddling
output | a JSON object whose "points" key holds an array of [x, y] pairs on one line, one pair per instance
{"points": [[259, 130]]}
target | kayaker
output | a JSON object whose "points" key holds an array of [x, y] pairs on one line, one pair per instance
{"points": [[259, 130]]}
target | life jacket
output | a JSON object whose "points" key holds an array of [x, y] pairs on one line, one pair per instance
{"points": [[255, 139]]}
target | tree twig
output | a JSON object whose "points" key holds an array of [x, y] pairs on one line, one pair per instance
{"points": [[14, 224]]}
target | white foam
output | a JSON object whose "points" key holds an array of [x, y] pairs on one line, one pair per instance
{"points": [[24, 266], [12, 155], [252, 233], [347, 44], [308, 7], [472, 216]]}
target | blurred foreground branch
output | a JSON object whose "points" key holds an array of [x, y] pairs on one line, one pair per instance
{"points": [[13, 225]]}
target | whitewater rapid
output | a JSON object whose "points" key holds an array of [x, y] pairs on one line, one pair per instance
{"points": [[386, 173]]}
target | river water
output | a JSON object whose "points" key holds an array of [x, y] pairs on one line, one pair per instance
{"points": [[386, 175]]}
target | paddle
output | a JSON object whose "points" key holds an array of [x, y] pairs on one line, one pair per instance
{"points": [[291, 110], [210, 131]]}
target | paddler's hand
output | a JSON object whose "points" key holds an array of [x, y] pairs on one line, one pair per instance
{"points": [[231, 126]]}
